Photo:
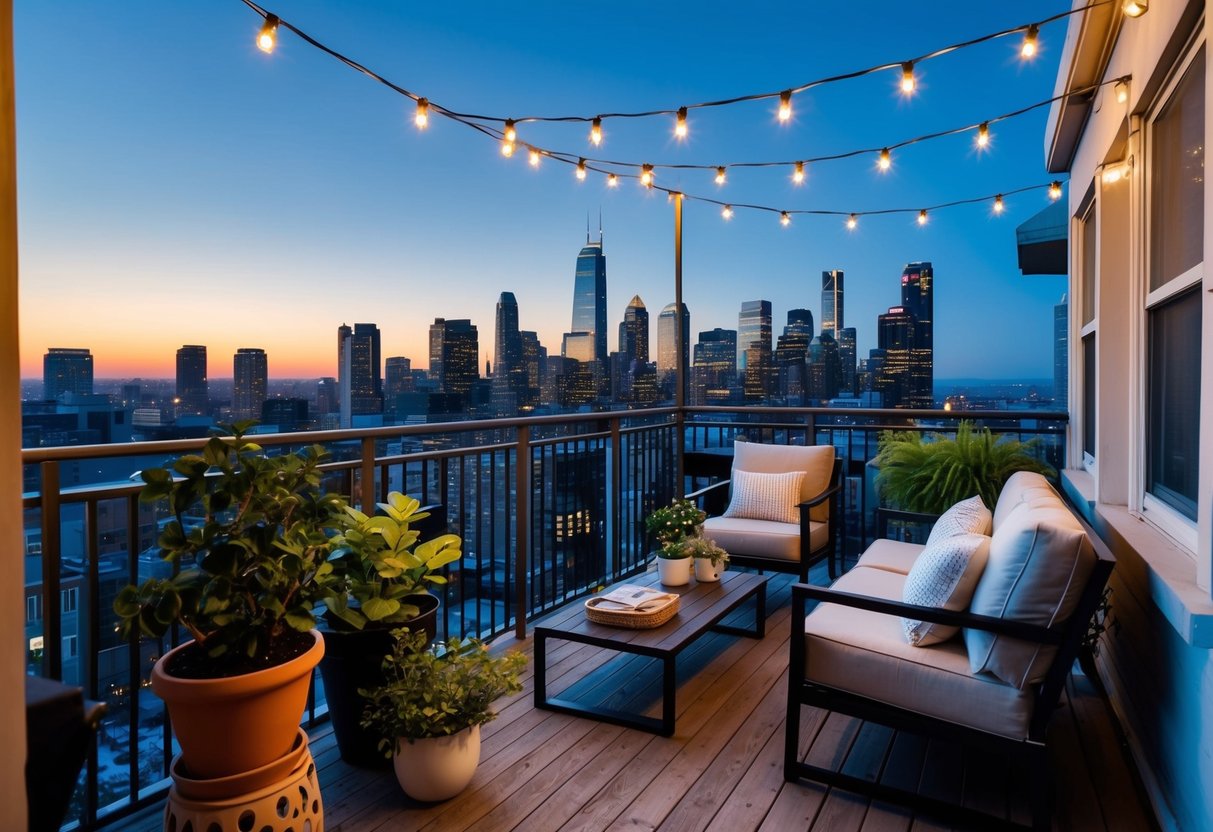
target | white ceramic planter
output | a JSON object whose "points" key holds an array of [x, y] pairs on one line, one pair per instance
{"points": [[437, 768], [674, 572], [705, 572]]}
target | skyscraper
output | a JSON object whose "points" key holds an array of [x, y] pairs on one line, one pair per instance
{"points": [[715, 371], [634, 331], [1061, 347], [917, 299], [455, 349], [192, 391], [250, 372], [896, 335], [359, 379], [589, 295], [667, 334], [754, 348], [831, 302], [534, 357], [791, 356], [847, 360], [510, 378], [397, 379], [66, 370], [823, 367]]}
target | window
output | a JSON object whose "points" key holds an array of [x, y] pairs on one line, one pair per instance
{"points": [[33, 609], [1089, 278], [71, 647], [68, 598], [1173, 301], [1088, 397]]}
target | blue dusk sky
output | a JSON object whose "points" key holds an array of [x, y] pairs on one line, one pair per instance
{"points": [[179, 186]]}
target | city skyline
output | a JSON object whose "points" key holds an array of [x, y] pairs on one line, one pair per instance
{"points": [[369, 220]]}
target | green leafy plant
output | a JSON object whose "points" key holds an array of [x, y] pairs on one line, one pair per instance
{"points": [[703, 548], [257, 546], [380, 564], [673, 523], [437, 691], [932, 474]]}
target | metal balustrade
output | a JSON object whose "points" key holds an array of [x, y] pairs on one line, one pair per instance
{"points": [[537, 535]]}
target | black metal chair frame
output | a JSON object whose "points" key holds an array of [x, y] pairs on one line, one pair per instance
{"points": [[1030, 751], [712, 499]]}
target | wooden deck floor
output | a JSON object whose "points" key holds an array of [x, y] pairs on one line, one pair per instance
{"points": [[722, 770]]}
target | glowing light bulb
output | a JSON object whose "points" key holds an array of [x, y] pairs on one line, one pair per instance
{"points": [[1055, 191], [1122, 91], [680, 126], [784, 219], [534, 158], [798, 173], [922, 217], [268, 36], [581, 169], [422, 119], [1028, 49], [983, 134], [596, 132], [785, 105], [907, 77], [727, 212], [646, 175], [720, 176], [612, 180], [852, 221], [885, 161], [1135, 8], [510, 134], [998, 204], [507, 149]]}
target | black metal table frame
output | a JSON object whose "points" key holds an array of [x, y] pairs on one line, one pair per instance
{"points": [[665, 725]]}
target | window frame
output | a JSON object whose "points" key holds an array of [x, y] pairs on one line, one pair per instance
{"points": [[1088, 214]]}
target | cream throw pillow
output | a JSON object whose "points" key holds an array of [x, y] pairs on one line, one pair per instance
{"points": [[944, 575], [766, 496], [966, 517]]}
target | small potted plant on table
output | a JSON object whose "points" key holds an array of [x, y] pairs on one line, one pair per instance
{"points": [[709, 559], [671, 525], [430, 708]]}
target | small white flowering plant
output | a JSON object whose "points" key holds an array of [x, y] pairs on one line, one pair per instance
{"points": [[673, 524]]}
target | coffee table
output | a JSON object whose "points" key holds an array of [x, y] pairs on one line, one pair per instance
{"points": [[702, 606]]}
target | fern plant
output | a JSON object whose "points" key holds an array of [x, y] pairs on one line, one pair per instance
{"points": [[933, 473]]}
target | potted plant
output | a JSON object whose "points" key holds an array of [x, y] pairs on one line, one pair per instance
{"points": [[671, 525], [709, 559], [384, 572], [430, 708], [254, 558]]}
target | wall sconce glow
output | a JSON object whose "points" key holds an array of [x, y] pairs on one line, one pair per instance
{"points": [[1054, 191], [422, 119], [646, 175], [785, 105], [612, 180], [886, 161], [998, 204], [922, 217], [983, 135], [680, 126], [852, 221], [1135, 8], [720, 176], [596, 132], [727, 212], [1122, 91], [907, 77], [798, 173], [581, 169], [1117, 172], [268, 36], [784, 219], [1028, 49]]}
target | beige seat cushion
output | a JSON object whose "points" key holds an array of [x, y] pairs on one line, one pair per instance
{"points": [[763, 538], [1020, 486], [1040, 560], [866, 653], [891, 555], [817, 461]]}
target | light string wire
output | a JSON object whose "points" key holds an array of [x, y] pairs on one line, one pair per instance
{"points": [[588, 163]]}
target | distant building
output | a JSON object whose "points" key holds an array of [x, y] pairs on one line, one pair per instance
{"points": [[831, 302], [634, 331], [328, 396], [847, 360], [590, 296], [285, 415], [455, 349], [192, 389], [917, 297], [67, 370], [1061, 354], [534, 357], [754, 349], [896, 334], [824, 370], [669, 356], [397, 379], [250, 377], [510, 378], [359, 378], [714, 375], [790, 382]]}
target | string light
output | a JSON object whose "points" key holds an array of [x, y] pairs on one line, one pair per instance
{"points": [[680, 126], [596, 131], [922, 217], [1028, 49], [1122, 91], [612, 180], [268, 35], [507, 149], [646, 175], [885, 161], [534, 158], [784, 219], [422, 119], [727, 212], [998, 204], [798, 173], [507, 139], [720, 177], [581, 169], [1055, 190], [785, 105], [983, 134], [907, 77], [1135, 8], [852, 221]]}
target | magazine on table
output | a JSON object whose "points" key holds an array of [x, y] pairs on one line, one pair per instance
{"points": [[633, 597]]}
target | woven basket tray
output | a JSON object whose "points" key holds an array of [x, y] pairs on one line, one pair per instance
{"points": [[631, 619]]}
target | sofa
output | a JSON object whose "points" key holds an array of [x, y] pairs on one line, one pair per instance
{"points": [[983, 662]]}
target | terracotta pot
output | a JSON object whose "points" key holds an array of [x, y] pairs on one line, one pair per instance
{"points": [[437, 768], [226, 788], [674, 571], [705, 572], [230, 726]]}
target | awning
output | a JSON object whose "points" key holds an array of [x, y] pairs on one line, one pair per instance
{"points": [[1042, 241]]}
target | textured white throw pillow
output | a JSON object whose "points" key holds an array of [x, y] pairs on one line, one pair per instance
{"points": [[766, 496], [966, 517], [944, 575]]}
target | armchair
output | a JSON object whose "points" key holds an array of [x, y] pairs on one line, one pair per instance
{"points": [[770, 544]]}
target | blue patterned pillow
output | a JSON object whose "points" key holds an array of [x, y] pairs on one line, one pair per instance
{"points": [[944, 575]]}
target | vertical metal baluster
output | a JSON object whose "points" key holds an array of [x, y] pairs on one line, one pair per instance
{"points": [[523, 527], [134, 659], [91, 649]]}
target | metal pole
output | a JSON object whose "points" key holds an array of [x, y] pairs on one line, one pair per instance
{"points": [[679, 337], [522, 526]]}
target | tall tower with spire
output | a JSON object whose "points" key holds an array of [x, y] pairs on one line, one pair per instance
{"points": [[589, 295]]}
